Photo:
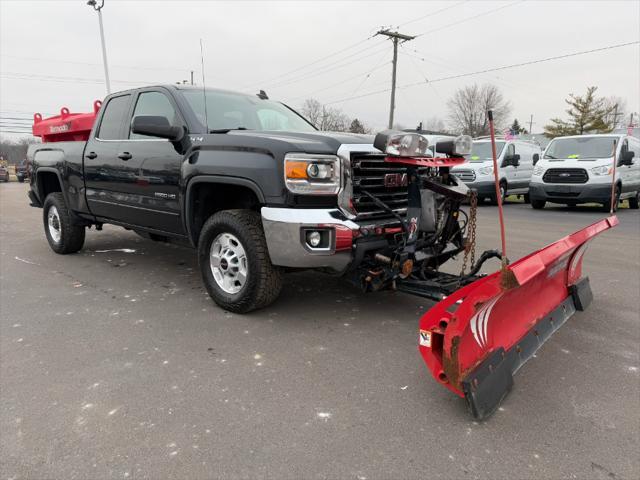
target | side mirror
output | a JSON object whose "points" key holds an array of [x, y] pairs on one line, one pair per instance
{"points": [[513, 160], [626, 158], [536, 157], [156, 126]]}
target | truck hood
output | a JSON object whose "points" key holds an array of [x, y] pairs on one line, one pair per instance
{"points": [[307, 142]]}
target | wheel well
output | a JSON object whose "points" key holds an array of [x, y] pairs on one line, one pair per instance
{"points": [[48, 182], [209, 198]]}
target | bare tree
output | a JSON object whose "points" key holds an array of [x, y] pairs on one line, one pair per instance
{"points": [[325, 118], [616, 115], [14, 151], [469, 106], [434, 124]]}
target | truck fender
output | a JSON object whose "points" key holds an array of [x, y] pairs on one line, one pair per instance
{"points": [[56, 171], [219, 179]]}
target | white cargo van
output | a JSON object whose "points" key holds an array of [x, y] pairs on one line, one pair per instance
{"points": [[578, 169], [515, 166]]}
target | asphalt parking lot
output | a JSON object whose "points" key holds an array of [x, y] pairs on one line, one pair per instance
{"points": [[114, 363]]}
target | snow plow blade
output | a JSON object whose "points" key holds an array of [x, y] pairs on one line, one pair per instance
{"points": [[476, 339]]}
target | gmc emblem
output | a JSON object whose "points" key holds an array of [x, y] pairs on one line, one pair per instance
{"points": [[395, 180]]}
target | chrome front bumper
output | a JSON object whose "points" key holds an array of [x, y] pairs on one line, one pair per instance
{"points": [[285, 228]]}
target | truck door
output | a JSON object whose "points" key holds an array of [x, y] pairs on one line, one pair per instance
{"points": [[634, 146], [152, 198], [509, 172], [626, 171], [103, 170]]}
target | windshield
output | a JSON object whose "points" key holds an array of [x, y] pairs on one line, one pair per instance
{"points": [[227, 110], [481, 151], [580, 148]]}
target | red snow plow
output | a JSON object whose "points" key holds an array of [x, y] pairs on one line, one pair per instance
{"points": [[477, 338], [485, 327]]}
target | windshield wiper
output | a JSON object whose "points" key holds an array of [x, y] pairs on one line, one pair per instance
{"points": [[550, 156], [227, 130]]}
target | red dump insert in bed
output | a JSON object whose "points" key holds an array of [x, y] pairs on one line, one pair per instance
{"points": [[66, 127]]}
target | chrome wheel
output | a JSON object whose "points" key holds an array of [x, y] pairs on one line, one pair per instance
{"points": [[228, 262], [54, 224]]}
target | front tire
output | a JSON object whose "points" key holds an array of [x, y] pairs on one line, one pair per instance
{"points": [[503, 193], [634, 202], [606, 207], [62, 234], [235, 264], [538, 204]]}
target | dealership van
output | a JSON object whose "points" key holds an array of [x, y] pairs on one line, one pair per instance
{"points": [[579, 169], [515, 159]]}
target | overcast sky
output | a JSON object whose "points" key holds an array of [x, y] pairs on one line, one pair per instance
{"points": [[50, 52]]}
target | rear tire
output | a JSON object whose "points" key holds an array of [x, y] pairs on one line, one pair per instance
{"points": [[634, 202], [235, 264], [62, 234], [538, 204], [526, 198]]}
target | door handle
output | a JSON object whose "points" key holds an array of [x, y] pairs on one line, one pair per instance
{"points": [[91, 155], [124, 156]]}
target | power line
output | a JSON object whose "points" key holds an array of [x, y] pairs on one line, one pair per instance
{"points": [[324, 69], [364, 80], [286, 74], [432, 14], [532, 62], [488, 12], [441, 79], [366, 74], [73, 62], [65, 79]]}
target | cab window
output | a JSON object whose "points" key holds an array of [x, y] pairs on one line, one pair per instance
{"points": [[511, 150], [113, 118], [153, 104]]}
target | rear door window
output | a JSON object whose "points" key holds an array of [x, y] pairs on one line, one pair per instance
{"points": [[114, 117]]}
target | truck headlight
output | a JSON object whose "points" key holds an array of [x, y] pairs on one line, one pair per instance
{"points": [[309, 174], [601, 170], [537, 170], [485, 170]]}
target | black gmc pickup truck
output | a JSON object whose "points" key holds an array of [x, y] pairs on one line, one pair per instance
{"points": [[245, 180]]}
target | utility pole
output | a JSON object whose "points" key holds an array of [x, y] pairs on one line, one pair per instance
{"points": [[531, 124], [191, 77], [98, 8], [395, 37]]}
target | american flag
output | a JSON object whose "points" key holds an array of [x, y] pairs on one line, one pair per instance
{"points": [[508, 134]]}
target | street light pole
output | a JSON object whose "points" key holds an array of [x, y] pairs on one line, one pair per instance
{"points": [[98, 8]]}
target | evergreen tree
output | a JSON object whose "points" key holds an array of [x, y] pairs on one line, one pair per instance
{"points": [[357, 126], [587, 114], [516, 129]]}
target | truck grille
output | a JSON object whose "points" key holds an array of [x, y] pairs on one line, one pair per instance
{"points": [[465, 175], [565, 175], [368, 173]]}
